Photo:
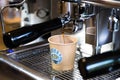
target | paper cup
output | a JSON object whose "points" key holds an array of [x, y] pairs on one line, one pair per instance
{"points": [[62, 50]]}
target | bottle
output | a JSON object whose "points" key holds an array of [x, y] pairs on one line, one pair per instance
{"points": [[100, 64], [26, 34]]}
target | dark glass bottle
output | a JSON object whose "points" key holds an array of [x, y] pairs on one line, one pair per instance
{"points": [[99, 64], [26, 34]]}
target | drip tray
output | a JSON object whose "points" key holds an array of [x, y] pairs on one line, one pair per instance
{"points": [[37, 58]]}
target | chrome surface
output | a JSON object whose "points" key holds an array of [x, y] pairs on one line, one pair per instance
{"points": [[35, 62], [104, 3], [8, 73], [35, 11]]}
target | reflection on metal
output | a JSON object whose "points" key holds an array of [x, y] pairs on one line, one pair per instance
{"points": [[35, 62], [104, 3], [113, 23]]}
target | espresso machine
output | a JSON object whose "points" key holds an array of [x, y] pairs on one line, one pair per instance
{"points": [[94, 23], [78, 16]]}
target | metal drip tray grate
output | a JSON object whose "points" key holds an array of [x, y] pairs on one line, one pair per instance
{"points": [[38, 59]]}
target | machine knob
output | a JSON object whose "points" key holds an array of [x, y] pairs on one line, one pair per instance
{"points": [[42, 13]]}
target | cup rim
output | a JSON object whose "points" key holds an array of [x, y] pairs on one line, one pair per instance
{"points": [[74, 42]]}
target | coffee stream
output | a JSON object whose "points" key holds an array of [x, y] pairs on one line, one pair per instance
{"points": [[63, 34], [65, 39]]}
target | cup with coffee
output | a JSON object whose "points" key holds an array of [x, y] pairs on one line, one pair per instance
{"points": [[62, 50]]}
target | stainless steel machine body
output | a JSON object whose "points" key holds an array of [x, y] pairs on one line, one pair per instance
{"points": [[106, 24], [99, 21], [95, 15], [35, 11], [35, 62]]}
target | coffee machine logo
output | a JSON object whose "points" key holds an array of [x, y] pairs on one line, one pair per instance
{"points": [[56, 56]]}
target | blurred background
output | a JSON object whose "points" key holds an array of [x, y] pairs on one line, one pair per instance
{"points": [[11, 20]]}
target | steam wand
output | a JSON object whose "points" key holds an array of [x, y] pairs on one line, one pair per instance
{"points": [[113, 25]]}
